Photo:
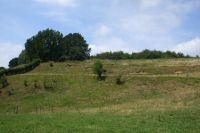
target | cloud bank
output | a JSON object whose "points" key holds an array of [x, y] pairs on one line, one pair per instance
{"points": [[191, 47], [136, 25]]}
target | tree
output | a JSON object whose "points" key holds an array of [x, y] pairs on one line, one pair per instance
{"points": [[118, 55], [145, 54], [44, 45], [23, 58], [49, 45], [13, 62], [74, 47], [99, 70]]}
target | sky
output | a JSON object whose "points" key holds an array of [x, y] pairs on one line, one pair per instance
{"points": [[106, 25]]}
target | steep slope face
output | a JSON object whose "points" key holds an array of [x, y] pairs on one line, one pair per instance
{"points": [[153, 84]]}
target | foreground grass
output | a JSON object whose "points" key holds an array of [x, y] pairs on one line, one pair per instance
{"points": [[177, 121]]}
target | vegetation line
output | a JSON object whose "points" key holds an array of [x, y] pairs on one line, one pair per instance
{"points": [[114, 75]]}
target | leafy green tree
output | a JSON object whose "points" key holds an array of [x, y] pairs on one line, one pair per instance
{"points": [[13, 62], [99, 70], [75, 47], [114, 55], [23, 58], [180, 55], [44, 45]]}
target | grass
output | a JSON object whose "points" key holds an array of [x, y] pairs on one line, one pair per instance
{"points": [[157, 96], [179, 121]]}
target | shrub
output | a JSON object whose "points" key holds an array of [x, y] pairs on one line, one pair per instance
{"points": [[119, 80], [25, 83], [48, 85], [36, 85], [51, 64], [21, 69], [3, 81], [99, 70], [9, 93], [2, 68], [2, 72], [63, 58]]}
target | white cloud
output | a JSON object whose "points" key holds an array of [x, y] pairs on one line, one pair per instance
{"points": [[58, 16], [147, 23], [104, 41], [150, 3], [59, 3], [141, 24], [57, 10], [154, 16], [8, 51], [191, 47], [103, 30], [111, 44], [129, 28]]}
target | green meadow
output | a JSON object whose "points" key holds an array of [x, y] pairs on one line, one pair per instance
{"points": [[157, 96]]}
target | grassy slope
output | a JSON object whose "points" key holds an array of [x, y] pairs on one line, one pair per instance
{"points": [[158, 96]]}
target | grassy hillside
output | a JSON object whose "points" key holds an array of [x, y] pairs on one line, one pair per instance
{"points": [[157, 96]]}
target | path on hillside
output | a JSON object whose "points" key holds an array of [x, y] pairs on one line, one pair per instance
{"points": [[44, 74], [114, 75]]}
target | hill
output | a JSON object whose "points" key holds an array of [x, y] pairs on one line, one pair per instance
{"points": [[161, 95]]}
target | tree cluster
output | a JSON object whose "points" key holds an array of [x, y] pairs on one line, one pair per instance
{"points": [[145, 54], [50, 45]]}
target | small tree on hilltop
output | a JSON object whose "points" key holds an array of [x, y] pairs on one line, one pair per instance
{"points": [[74, 47], [99, 70]]}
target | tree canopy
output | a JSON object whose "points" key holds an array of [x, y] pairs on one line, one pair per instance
{"points": [[50, 45], [74, 47], [145, 54], [13, 62], [44, 45]]}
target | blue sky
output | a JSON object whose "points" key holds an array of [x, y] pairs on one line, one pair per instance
{"points": [[107, 25]]}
